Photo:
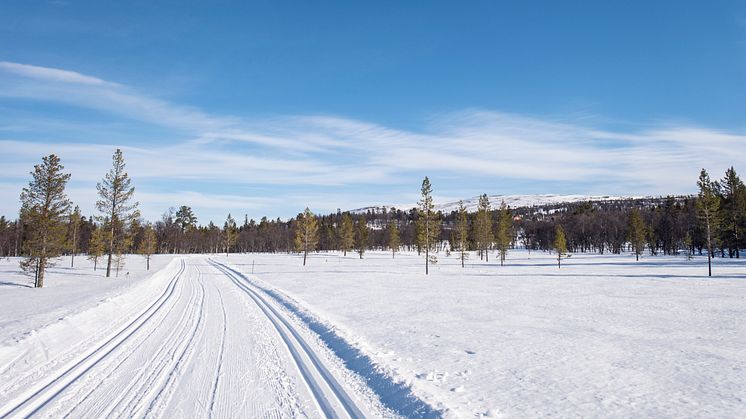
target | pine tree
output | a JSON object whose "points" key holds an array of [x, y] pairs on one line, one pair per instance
{"points": [[462, 233], [394, 240], [306, 233], [229, 234], [185, 218], [44, 206], [504, 229], [734, 210], [116, 205], [688, 245], [560, 244], [346, 234], [708, 204], [637, 232], [429, 224], [483, 227], [97, 245], [148, 245], [74, 230], [361, 236]]}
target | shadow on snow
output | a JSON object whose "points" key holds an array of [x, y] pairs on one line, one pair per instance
{"points": [[395, 396]]}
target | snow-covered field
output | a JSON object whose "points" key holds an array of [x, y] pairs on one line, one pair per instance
{"points": [[603, 336]]}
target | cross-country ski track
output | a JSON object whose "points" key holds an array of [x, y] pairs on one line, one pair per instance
{"points": [[208, 343]]}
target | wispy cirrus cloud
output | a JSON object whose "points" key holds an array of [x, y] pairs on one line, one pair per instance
{"points": [[289, 161]]}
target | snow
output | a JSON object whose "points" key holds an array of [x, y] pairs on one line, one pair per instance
{"points": [[184, 341], [204, 335], [513, 201], [66, 291], [603, 336]]}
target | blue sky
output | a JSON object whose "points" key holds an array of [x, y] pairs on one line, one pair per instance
{"points": [[263, 108]]}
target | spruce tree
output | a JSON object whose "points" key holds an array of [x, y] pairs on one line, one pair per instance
{"points": [[733, 210], [637, 232], [116, 205], [462, 232], [361, 236], [346, 234], [483, 227], [44, 206], [708, 204], [393, 238], [560, 244], [306, 233], [230, 234], [429, 224], [504, 231], [74, 231], [148, 244]]}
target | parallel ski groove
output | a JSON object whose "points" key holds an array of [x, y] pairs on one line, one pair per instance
{"points": [[278, 320], [42, 396]]}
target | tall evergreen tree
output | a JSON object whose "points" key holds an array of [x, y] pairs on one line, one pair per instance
{"points": [[483, 227], [74, 231], [462, 233], [116, 205], [560, 244], [148, 244], [306, 233], [361, 237], [708, 204], [346, 234], [637, 232], [97, 245], [230, 234], [504, 234], [392, 231], [429, 224], [733, 193], [44, 206]]}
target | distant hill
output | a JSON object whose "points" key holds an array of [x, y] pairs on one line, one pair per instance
{"points": [[513, 201]]}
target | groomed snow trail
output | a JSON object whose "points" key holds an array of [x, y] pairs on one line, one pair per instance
{"points": [[330, 396], [207, 345]]}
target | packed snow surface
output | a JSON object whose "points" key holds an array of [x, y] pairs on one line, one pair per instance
{"points": [[602, 336], [259, 335]]}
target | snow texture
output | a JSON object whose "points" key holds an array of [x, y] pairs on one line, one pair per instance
{"points": [[205, 336]]}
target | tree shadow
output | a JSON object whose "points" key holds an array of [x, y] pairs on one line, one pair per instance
{"points": [[14, 284]]}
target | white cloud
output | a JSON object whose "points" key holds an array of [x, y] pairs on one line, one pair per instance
{"points": [[51, 74], [327, 152]]}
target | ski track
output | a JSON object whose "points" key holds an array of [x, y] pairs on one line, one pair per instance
{"points": [[42, 395], [331, 398], [200, 349]]}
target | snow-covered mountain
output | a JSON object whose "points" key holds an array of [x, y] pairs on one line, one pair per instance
{"points": [[513, 201]]}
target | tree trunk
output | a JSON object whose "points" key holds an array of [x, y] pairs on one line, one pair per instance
{"points": [[709, 249], [427, 260], [147, 263], [305, 254], [40, 269]]}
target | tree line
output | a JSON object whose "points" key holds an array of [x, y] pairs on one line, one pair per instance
{"points": [[49, 226]]}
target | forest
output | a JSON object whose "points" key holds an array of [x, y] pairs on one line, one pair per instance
{"points": [[49, 225]]}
